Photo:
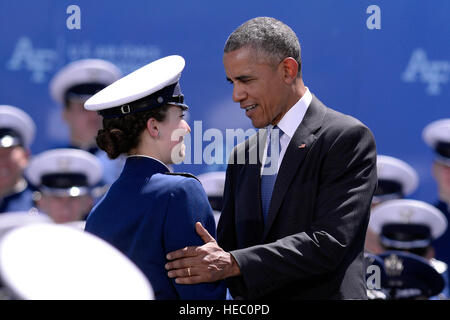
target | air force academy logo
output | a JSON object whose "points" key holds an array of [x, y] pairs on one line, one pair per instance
{"points": [[433, 73], [38, 61]]}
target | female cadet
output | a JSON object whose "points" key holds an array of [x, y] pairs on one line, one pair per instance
{"points": [[149, 211]]}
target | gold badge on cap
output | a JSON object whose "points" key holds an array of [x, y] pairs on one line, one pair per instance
{"points": [[406, 215], [393, 265]]}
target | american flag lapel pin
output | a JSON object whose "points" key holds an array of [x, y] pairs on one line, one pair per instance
{"points": [[302, 146]]}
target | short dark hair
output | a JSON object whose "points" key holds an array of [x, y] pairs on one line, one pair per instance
{"points": [[267, 35]]}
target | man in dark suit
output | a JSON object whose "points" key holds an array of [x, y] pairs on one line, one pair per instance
{"points": [[293, 229]]}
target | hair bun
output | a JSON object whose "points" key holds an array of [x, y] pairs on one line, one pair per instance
{"points": [[113, 142]]}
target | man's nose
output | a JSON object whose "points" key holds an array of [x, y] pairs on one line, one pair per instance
{"points": [[238, 93]]}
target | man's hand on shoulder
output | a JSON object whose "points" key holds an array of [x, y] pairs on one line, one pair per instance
{"points": [[206, 263]]}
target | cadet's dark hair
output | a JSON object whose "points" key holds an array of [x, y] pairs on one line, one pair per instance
{"points": [[268, 36], [120, 135]]}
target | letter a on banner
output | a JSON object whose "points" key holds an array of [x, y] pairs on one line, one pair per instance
{"points": [[74, 20], [374, 20]]}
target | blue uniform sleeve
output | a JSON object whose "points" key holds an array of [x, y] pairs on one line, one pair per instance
{"points": [[189, 204]]}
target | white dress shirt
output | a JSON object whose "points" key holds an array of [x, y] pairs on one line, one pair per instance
{"points": [[289, 124]]}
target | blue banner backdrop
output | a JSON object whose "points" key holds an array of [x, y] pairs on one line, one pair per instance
{"points": [[384, 62]]}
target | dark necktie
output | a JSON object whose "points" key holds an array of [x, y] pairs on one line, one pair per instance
{"points": [[270, 170]]}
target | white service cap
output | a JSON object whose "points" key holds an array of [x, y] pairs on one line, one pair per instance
{"points": [[153, 85], [16, 127], [401, 214], [437, 136], [14, 219], [396, 171], [59, 170], [87, 76], [56, 262]]}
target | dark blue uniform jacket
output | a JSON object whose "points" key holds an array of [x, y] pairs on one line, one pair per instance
{"points": [[19, 201], [148, 213]]}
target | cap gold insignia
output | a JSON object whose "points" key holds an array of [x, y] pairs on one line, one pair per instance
{"points": [[406, 215], [393, 265]]}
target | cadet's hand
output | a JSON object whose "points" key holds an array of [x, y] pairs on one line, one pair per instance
{"points": [[206, 263]]}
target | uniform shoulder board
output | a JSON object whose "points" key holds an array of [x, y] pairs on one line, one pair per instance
{"points": [[184, 174]]}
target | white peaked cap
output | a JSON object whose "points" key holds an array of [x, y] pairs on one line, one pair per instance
{"points": [[390, 168], [138, 84], [406, 211], [46, 261], [19, 121], [437, 131], [80, 72], [64, 160]]}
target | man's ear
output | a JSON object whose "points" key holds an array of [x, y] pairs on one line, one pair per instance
{"points": [[290, 68], [153, 127]]}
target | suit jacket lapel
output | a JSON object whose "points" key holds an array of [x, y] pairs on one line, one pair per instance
{"points": [[296, 151]]}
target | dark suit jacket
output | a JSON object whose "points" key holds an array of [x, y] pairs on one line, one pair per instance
{"points": [[312, 244], [146, 214]]}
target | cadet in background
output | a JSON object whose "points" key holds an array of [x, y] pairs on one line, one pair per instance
{"points": [[17, 131], [71, 87], [396, 180], [405, 276], [437, 137], [411, 226], [65, 181]]}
